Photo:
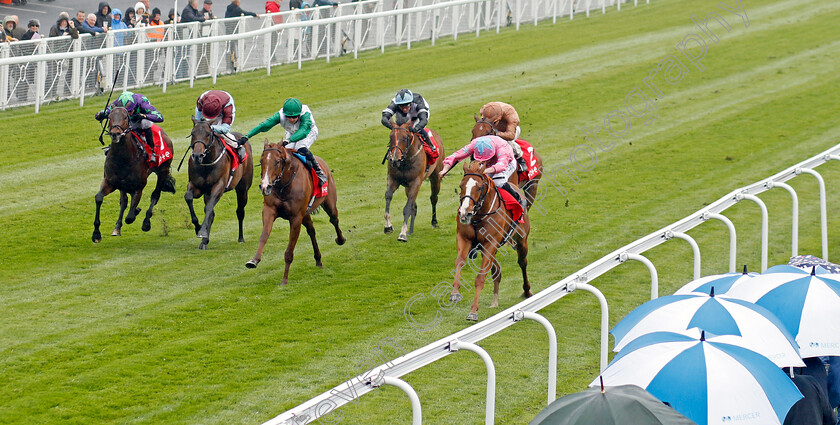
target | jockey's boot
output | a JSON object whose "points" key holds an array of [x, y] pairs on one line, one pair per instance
{"points": [[150, 140], [310, 160], [241, 152], [427, 140], [523, 167]]}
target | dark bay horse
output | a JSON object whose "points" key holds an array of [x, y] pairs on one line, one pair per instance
{"points": [[483, 223], [483, 128], [126, 170], [407, 167], [287, 188], [210, 176]]}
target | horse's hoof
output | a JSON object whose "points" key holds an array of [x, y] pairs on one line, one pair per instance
{"points": [[129, 219], [473, 253], [202, 246], [526, 294], [116, 232], [472, 317], [434, 224], [402, 238], [251, 264], [494, 304], [389, 229], [340, 241], [96, 237], [284, 282], [454, 298], [319, 265], [147, 225], [241, 240]]}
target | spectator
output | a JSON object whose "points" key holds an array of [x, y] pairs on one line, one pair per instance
{"points": [[18, 31], [190, 13], [156, 34], [90, 25], [8, 28], [273, 6], [146, 6], [234, 10], [130, 17], [813, 408], [64, 26], [207, 12], [171, 17], [118, 24], [103, 15], [32, 33], [324, 3], [294, 4], [142, 15], [78, 21]]}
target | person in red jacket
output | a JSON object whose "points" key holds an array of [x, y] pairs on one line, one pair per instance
{"points": [[273, 6]]}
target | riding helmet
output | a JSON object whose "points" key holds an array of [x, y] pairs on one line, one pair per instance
{"points": [[292, 107], [403, 96], [483, 149], [211, 105]]}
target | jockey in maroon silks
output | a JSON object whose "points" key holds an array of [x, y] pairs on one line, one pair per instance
{"points": [[217, 108]]}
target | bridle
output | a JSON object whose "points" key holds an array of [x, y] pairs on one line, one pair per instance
{"points": [[216, 141], [396, 147], [279, 177], [123, 130], [483, 190], [484, 121]]}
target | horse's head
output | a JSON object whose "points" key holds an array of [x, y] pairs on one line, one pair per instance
{"points": [[201, 138], [118, 124], [474, 188], [400, 143], [483, 127], [274, 162]]}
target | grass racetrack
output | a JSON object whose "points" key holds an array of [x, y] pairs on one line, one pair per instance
{"points": [[145, 328]]}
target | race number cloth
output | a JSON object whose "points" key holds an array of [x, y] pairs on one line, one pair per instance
{"points": [[235, 162], [161, 149], [432, 156], [530, 160], [511, 204]]}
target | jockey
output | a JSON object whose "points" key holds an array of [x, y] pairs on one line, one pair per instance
{"points": [[506, 122], [301, 132], [141, 116], [412, 107], [497, 155], [217, 108]]}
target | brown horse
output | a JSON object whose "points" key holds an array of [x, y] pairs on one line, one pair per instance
{"points": [[483, 128], [287, 188], [407, 167], [126, 170], [209, 171], [483, 223]]}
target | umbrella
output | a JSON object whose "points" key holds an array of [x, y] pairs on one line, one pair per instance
{"points": [[808, 305], [808, 261], [708, 382], [750, 326], [624, 404], [721, 282]]}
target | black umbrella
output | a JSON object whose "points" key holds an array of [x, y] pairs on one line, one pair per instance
{"points": [[625, 404]]}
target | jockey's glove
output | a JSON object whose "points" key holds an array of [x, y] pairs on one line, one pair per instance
{"points": [[285, 142], [242, 140], [138, 117], [100, 116]]}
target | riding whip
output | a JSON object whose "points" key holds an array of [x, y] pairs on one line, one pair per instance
{"points": [[114, 84], [186, 151]]}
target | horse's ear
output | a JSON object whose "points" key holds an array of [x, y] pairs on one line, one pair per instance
{"points": [[467, 166], [477, 118], [195, 121], [266, 143]]}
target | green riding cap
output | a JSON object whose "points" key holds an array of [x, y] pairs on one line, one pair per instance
{"points": [[292, 107]]}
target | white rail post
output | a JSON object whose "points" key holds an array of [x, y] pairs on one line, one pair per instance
{"points": [[654, 277], [408, 32], [670, 234], [491, 376], [794, 233], [552, 348], [823, 219], [571, 9], [456, 19], [213, 61], [4, 76], [732, 237], [498, 15], [140, 73], [580, 283], [40, 75], [764, 225], [329, 37], [416, 410]]}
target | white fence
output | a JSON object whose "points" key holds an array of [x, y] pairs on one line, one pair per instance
{"points": [[390, 372], [59, 68]]}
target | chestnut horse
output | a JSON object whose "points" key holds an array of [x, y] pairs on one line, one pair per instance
{"points": [[209, 171], [483, 223], [407, 167], [287, 188], [126, 170], [484, 127]]}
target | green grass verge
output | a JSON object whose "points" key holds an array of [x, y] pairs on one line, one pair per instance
{"points": [[144, 328]]}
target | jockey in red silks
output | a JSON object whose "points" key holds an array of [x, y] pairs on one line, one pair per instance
{"points": [[497, 155]]}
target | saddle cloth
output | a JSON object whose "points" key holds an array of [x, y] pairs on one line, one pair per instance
{"points": [[161, 149], [530, 160], [318, 191]]}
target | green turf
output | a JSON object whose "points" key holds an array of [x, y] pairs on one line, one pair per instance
{"points": [[145, 328]]}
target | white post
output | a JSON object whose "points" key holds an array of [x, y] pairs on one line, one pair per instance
{"points": [[416, 410], [694, 248], [4, 77], [408, 32], [823, 219], [357, 38], [732, 236], [193, 71], [535, 10], [516, 8], [455, 21], [491, 376], [605, 314], [498, 15], [40, 75], [794, 233], [76, 76], [552, 348], [764, 225], [214, 52], [654, 277]]}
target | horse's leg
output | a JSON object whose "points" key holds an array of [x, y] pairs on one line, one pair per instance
{"points": [[133, 209], [496, 274], [210, 201], [522, 254], [241, 201], [269, 214], [147, 222], [310, 230], [531, 191], [434, 179], [487, 257], [409, 209], [104, 190], [463, 250], [294, 232], [190, 195], [330, 206], [123, 205], [391, 187]]}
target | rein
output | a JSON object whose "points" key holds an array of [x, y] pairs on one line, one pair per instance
{"points": [[279, 177], [478, 205], [399, 149]]}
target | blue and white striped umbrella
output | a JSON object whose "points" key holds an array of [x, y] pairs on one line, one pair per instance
{"points": [[751, 326], [808, 305], [721, 282], [708, 382]]}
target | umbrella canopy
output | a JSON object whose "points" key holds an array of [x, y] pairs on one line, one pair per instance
{"points": [[708, 382], [808, 305], [750, 326], [721, 283], [625, 404]]}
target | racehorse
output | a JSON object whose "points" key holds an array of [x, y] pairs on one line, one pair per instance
{"points": [[484, 127], [210, 175], [483, 224], [287, 187], [407, 167], [126, 170]]}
